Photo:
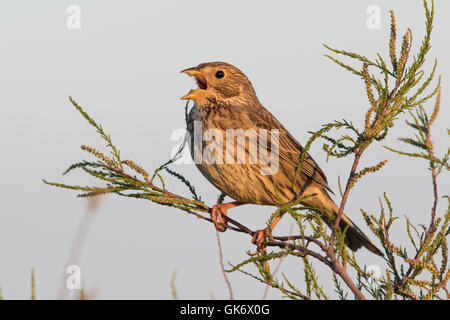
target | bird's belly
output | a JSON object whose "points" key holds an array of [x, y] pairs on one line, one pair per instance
{"points": [[246, 183], [240, 182]]}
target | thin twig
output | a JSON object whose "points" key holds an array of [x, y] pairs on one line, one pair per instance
{"points": [[79, 240], [230, 290], [272, 276], [262, 280]]}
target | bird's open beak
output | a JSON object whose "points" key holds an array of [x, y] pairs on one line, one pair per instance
{"points": [[201, 82]]}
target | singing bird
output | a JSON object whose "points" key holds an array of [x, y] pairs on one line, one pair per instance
{"points": [[225, 102]]}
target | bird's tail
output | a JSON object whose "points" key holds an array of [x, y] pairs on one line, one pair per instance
{"points": [[354, 237]]}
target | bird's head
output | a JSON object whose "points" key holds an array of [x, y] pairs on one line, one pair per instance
{"points": [[219, 83]]}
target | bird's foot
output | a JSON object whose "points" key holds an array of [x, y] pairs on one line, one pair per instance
{"points": [[259, 238], [218, 212]]}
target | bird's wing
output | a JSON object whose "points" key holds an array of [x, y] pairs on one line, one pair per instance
{"points": [[289, 148]]}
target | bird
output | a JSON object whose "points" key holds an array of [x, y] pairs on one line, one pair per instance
{"points": [[225, 101]]}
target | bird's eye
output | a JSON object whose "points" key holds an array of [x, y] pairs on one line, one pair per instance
{"points": [[220, 74]]}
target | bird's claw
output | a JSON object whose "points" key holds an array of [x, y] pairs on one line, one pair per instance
{"points": [[259, 238], [217, 217]]}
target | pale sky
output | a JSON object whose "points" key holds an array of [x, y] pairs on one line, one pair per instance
{"points": [[123, 67]]}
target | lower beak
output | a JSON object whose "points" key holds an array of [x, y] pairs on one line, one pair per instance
{"points": [[193, 93]]}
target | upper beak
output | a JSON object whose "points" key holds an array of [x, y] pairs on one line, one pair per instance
{"points": [[194, 93], [191, 71]]}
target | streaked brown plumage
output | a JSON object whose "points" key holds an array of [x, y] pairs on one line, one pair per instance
{"points": [[225, 100]]}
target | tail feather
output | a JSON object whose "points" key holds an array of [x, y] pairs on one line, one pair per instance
{"points": [[354, 237]]}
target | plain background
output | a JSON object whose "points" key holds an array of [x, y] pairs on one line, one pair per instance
{"points": [[123, 67]]}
